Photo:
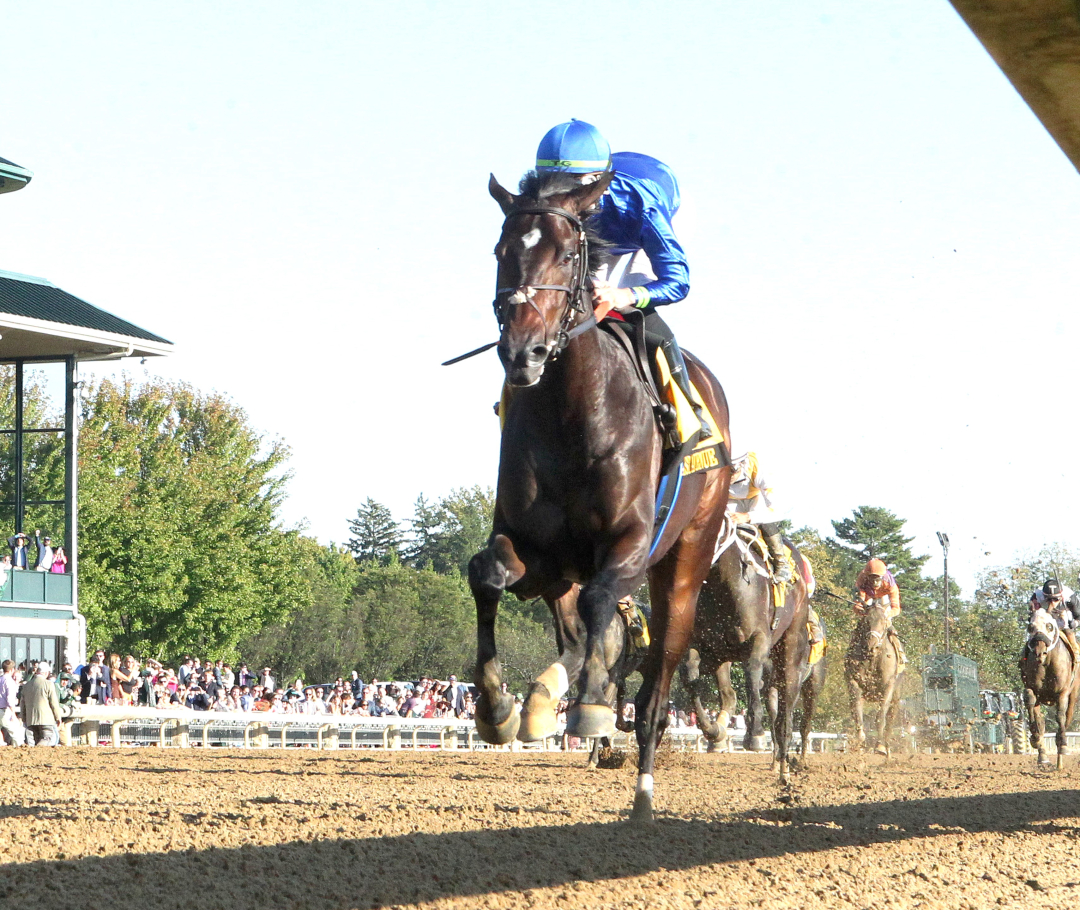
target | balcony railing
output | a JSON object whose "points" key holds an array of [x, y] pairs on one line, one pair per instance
{"points": [[29, 587]]}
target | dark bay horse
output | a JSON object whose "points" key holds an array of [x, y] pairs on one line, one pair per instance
{"points": [[1049, 678], [872, 667], [738, 622], [579, 467]]}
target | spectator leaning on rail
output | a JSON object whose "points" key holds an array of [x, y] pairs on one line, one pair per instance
{"points": [[41, 708], [875, 586], [20, 551]]}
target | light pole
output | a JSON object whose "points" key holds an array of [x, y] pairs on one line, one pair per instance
{"points": [[943, 539]]}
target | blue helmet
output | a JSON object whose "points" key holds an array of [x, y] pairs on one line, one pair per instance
{"points": [[575, 148]]}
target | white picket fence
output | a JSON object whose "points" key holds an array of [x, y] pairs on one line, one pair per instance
{"points": [[181, 728]]}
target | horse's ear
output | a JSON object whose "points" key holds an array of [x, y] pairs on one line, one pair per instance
{"points": [[504, 197], [585, 196]]}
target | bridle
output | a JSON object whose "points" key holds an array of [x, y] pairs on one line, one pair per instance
{"points": [[576, 304], [874, 638]]}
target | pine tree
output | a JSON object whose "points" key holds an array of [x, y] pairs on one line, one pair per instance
{"points": [[376, 536]]}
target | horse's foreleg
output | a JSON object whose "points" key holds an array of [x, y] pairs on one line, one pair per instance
{"points": [[885, 718], [491, 571], [594, 714], [538, 714], [855, 696], [1064, 719], [809, 692], [1036, 724], [755, 673]]}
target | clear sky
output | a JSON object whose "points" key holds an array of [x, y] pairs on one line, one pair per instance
{"points": [[882, 237]]}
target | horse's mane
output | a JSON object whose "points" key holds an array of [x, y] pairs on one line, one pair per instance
{"points": [[538, 189]]}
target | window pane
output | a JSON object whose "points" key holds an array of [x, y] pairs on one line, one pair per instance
{"points": [[7, 648], [7, 396], [43, 466], [48, 650], [35, 649], [20, 650], [43, 395], [7, 467]]}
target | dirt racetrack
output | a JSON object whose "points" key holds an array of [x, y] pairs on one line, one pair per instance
{"points": [[146, 829]]}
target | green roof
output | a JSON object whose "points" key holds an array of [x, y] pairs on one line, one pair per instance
{"points": [[36, 298]]}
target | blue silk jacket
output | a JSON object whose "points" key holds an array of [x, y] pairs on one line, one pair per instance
{"points": [[635, 214]]}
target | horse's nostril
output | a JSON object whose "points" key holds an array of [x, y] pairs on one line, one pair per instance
{"points": [[539, 352]]}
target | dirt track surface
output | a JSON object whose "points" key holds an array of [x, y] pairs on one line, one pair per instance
{"points": [[144, 828]]}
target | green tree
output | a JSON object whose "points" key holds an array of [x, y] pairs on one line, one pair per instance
{"points": [[316, 641], [376, 535], [180, 548], [447, 535]]}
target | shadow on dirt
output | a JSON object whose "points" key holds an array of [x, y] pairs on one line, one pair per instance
{"points": [[414, 868]]}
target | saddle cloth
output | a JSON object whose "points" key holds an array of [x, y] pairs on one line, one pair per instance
{"points": [[817, 649]]}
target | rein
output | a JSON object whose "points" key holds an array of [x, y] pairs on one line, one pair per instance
{"points": [[505, 298]]}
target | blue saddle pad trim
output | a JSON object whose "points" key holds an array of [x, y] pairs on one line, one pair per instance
{"points": [[665, 504]]}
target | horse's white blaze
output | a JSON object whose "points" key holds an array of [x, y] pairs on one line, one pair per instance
{"points": [[531, 239], [555, 680], [645, 784]]}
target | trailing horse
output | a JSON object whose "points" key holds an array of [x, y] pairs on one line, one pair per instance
{"points": [[579, 468], [1049, 676], [738, 621], [872, 667]]}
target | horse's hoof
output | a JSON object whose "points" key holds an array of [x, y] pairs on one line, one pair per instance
{"points": [[500, 734], [716, 745], [757, 743], [538, 718], [590, 720], [881, 750]]}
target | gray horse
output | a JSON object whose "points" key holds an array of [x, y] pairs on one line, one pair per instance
{"points": [[872, 667]]}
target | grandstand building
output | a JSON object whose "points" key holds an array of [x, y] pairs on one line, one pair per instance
{"points": [[45, 333]]}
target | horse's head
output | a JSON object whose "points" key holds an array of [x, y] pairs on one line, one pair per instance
{"points": [[543, 256], [875, 625], [1042, 634]]}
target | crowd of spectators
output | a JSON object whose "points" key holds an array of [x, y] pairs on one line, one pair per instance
{"points": [[216, 686]]}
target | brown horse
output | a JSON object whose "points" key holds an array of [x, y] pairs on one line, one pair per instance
{"points": [[578, 473], [872, 667], [738, 622], [1049, 678]]}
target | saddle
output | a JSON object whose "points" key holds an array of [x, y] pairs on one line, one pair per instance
{"points": [[684, 452]]}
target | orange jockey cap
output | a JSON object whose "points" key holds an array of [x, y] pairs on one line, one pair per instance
{"points": [[875, 567]]}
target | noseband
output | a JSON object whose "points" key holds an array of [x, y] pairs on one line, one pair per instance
{"points": [[506, 298]]}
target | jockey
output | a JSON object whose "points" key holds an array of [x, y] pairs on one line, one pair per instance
{"points": [[876, 586], [1061, 602], [750, 502], [634, 216]]}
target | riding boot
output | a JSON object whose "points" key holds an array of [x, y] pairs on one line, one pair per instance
{"points": [[814, 623], [778, 557], [682, 380]]}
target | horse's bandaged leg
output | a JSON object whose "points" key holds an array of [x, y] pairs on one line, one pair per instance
{"points": [[538, 717], [555, 680]]}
